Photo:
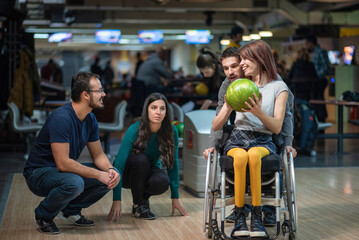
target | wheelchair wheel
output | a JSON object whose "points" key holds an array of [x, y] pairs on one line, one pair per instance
{"points": [[290, 196], [287, 231], [209, 195]]}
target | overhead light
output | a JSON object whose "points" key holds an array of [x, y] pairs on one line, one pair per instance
{"points": [[265, 33], [255, 36], [224, 42], [246, 38], [41, 35]]}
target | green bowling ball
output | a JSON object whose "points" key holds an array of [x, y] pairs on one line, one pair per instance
{"points": [[238, 93], [179, 126]]}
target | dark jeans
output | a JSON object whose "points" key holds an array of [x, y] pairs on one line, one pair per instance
{"points": [[66, 192], [143, 180]]}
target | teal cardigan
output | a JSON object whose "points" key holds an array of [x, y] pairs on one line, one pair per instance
{"points": [[153, 154]]}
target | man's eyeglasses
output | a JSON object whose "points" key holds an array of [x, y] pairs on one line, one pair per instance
{"points": [[100, 91]]}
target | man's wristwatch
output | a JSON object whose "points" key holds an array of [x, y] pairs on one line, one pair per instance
{"points": [[113, 168]]}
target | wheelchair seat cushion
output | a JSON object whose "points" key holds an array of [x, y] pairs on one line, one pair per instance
{"points": [[270, 163]]}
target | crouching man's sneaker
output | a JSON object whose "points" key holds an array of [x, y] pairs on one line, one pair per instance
{"points": [[78, 220], [46, 226], [142, 212]]}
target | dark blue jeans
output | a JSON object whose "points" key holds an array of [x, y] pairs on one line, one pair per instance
{"points": [[66, 192]]}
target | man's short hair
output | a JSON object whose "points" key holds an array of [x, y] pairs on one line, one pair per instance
{"points": [[229, 52], [236, 30], [81, 82]]}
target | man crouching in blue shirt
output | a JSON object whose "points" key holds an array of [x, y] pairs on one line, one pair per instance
{"points": [[52, 170]]}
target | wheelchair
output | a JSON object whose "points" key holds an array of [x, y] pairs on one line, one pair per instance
{"points": [[278, 190]]}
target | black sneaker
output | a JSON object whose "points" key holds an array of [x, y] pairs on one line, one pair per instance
{"points": [[240, 226], [269, 218], [46, 226], [143, 212], [78, 220], [257, 229], [230, 218]]}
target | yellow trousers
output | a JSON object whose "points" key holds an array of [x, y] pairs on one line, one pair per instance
{"points": [[252, 157]]}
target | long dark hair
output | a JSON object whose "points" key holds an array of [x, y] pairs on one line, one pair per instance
{"points": [[207, 58], [164, 134]]}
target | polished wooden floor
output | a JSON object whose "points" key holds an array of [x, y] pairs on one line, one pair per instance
{"points": [[327, 199]]}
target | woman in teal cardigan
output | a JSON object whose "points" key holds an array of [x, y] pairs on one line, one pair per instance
{"points": [[148, 146]]}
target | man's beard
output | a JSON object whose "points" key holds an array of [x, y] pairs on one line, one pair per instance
{"points": [[93, 106]]}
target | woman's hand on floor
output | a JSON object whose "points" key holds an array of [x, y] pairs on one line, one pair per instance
{"points": [[176, 204], [115, 212]]}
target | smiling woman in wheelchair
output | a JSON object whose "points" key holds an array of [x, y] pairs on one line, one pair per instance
{"points": [[251, 138]]}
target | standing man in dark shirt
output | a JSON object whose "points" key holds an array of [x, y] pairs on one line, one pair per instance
{"points": [[95, 67], [108, 75], [52, 170], [236, 35], [152, 70], [321, 63], [139, 62], [47, 71]]}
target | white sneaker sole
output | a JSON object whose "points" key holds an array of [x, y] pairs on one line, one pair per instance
{"points": [[73, 222], [257, 234], [241, 234]]}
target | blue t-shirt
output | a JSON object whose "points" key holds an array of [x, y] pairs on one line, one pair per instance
{"points": [[62, 126]]}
